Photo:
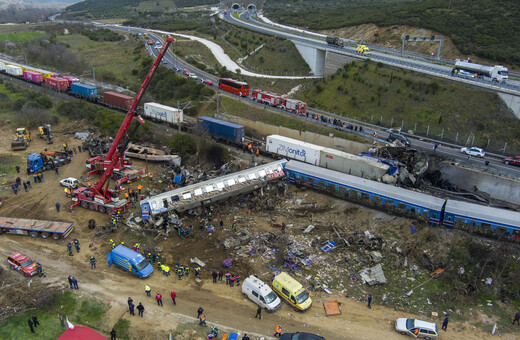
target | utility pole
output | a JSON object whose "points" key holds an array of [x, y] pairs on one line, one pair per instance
{"points": [[179, 108]]}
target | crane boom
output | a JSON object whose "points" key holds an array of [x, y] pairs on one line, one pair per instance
{"points": [[114, 156]]}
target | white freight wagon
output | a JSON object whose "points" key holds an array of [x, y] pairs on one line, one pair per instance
{"points": [[14, 70], [352, 164], [293, 148], [163, 113]]}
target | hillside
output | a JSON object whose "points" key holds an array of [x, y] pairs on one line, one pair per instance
{"points": [[100, 9], [479, 28]]}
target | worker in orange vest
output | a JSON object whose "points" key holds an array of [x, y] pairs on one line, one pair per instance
{"points": [[139, 187], [278, 331]]}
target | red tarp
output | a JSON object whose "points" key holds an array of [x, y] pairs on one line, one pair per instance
{"points": [[81, 333]]}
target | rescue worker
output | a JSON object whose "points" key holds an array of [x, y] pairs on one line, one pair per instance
{"points": [[278, 331], [112, 243], [202, 319], [214, 331], [210, 216], [228, 276], [173, 295], [150, 257], [140, 308], [180, 272], [214, 275], [220, 274], [232, 281], [131, 308], [237, 277], [186, 270], [137, 247], [234, 226], [181, 232], [199, 312], [163, 269], [159, 265], [187, 230], [148, 290], [139, 187], [39, 268], [158, 297], [154, 257], [202, 224], [167, 270], [92, 262], [176, 266], [69, 249], [197, 272]]}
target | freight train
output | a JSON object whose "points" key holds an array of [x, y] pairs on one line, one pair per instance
{"points": [[436, 211], [65, 84]]}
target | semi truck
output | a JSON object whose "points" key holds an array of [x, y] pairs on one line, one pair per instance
{"points": [[334, 41], [465, 69], [35, 228], [46, 160]]}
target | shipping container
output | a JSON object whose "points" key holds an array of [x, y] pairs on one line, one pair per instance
{"points": [[34, 77], [70, 80], [56, 83], [221, 129], [118, 100], [293, 148], [15, 71], [44, 73], [352, 164], [163, 113], [84, 91]]}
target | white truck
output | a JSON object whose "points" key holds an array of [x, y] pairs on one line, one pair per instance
{"points": [[163, 113], [465, 69]]}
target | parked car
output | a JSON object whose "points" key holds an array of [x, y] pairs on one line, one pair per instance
{"points": [[208, 82], [301, 336], [393, 136], [473, 151], [22, 263], [417, 328], [70, 182], [193, 76], [512, 160]]}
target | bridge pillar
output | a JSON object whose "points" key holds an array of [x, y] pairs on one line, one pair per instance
{"points": [[512, 102], [314, 57], [335, 61]]}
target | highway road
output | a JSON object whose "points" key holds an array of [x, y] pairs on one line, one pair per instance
{"points": [[391, 57], [449, 151]]}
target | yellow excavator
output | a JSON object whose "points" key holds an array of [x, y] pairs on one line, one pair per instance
{"points": [[21, 139], [45, 133]]}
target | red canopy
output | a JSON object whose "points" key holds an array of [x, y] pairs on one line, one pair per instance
{"points": [[81, 333]]}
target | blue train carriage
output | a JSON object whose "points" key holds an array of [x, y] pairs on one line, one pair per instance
{"points": [[84, 91], [482, 219], [371, 193]]}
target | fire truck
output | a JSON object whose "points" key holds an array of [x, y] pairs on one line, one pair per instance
{"points": [[293, 105], [267, 98], [99, 196]]}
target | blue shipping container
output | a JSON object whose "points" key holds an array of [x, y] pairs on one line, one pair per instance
{"points": [[84, 91], [222, 129]]}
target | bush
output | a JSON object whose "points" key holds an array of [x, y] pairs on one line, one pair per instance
{"points": [[182, 144], [32, 117]]}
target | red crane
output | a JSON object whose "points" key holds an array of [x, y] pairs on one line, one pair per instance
{"points": [[99, 197]]}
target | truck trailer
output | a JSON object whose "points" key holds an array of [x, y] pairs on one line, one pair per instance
{"points": [[221, 129], [163, 113], [35, 228], [496, 73]]}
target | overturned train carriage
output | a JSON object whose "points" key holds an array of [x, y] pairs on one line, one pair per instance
{"points": [[198, 195], [366, 191], [450, 213]]}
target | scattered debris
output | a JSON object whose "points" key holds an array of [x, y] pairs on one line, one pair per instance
{"points": [[373, 276]]}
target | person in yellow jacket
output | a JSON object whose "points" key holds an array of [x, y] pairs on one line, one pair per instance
{"points": [[148, 290], [167, 269]]}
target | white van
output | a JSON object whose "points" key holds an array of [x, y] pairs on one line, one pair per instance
{"points": [[261, 294]]}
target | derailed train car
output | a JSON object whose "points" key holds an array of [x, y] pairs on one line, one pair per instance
{"points": [[434, 210]]}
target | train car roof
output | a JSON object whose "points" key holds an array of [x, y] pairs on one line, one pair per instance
{"points": [[366, 185], [484, 213]]}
